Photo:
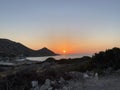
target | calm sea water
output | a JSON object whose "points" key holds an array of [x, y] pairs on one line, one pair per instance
{"points": [[58, 57]]}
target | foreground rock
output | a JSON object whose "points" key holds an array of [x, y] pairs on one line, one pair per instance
{"points": [[79, 82]]}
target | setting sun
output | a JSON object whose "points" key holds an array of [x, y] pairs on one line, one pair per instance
{"points": [[64, 51]]}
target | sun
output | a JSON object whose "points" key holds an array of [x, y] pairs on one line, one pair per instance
{"points": [[64, 51]]}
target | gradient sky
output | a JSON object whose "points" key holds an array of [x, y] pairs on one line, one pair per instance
{"points": [[77, 26]]}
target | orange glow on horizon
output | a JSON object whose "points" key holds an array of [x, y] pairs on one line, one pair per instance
{"points": [[64, 51], [64, 45], [63, 48]]}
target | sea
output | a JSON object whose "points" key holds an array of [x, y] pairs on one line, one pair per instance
{"points": [[65, 56]]}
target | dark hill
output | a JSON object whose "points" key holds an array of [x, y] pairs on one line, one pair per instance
{"points": [[43, 52], [10, 47]]}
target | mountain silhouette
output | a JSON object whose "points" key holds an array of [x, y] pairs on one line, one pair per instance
{"points": [[10, 47], [45, 50]]}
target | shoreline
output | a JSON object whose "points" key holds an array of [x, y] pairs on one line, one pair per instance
{"points": [[99, 71], [51, 72]]}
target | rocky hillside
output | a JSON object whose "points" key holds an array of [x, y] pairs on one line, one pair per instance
{"points": [[8, 47], [43, 52]]}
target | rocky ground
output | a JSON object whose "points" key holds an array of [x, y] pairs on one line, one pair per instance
{"points": [[79, 82], [68, 74]]}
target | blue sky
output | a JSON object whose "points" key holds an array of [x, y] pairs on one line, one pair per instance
{"points": [[76, 25]]}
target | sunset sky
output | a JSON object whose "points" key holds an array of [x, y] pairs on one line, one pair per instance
{"points": [[74, 26]]}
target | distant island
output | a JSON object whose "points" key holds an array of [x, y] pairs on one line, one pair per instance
{"points": [[11, 48]]}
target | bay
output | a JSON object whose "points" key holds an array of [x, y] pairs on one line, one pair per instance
{"points": [[65, 56]]}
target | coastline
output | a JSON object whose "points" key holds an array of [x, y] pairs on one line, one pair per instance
{"points": [[61, 74], [87, 73]]}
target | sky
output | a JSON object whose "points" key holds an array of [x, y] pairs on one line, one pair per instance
{"points": [[74, 26]]}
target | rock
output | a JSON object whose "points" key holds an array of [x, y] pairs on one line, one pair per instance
{"points": [[61, 80], [51, 88], [46, 86], [53, 82], [77, 75], [34, 83], [65, 88], [85, 75], [47, 82], [96, 76], [36, 88]]}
